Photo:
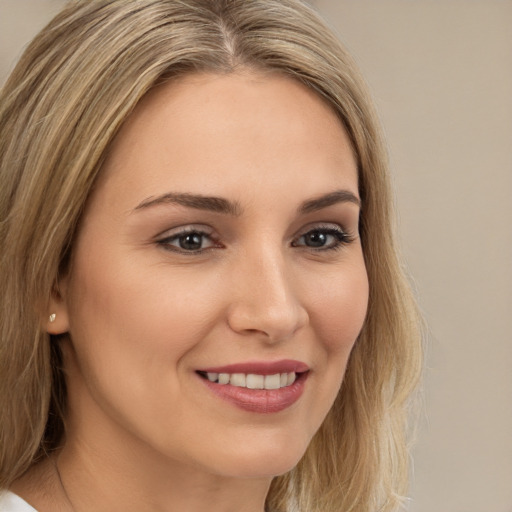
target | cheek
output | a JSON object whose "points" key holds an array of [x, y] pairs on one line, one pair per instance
{"points": [[337, 314], [338, 309], [135, 322]]}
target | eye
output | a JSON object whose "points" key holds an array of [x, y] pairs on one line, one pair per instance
{"points": [[323, 238], [188, 241]]}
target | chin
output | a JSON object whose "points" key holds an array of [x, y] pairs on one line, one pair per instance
{"points": [[262, 462]]}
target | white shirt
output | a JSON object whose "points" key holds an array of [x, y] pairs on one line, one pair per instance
{"points": [[10, 502]]}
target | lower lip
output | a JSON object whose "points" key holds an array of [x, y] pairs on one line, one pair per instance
{"points": [[262, 401]]}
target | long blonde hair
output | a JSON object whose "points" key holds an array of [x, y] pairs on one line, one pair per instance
{"points": [[62, 106]]}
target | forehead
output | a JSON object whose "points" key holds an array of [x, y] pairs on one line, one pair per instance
{"points": [[207, 131]]}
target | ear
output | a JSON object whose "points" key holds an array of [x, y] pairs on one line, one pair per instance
{"points": [[57, 319]]}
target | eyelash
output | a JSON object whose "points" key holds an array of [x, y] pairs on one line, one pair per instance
{"points": [[342, 238]]}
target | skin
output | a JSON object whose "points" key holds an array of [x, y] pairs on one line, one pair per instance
{"points": [[143, 430]]}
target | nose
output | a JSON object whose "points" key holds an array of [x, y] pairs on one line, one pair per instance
{"points": [[265, 300]]}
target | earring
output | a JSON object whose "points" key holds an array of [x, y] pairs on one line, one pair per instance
{"points": [[52, 317]]}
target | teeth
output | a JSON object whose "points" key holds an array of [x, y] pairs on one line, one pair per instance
{"points": [[237, 379], [273, 381], [223, 378], [253, 381]]}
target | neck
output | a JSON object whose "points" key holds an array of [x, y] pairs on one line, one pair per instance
{"points": [[75, 481]]}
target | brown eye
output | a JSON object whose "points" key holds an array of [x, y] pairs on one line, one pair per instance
{"points": [[323, 239], [316, 239], [191, 241], [188, 242]]}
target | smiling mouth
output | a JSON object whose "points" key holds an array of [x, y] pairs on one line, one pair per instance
{"points": [[256, 392], [257, 386], [252, 380]]}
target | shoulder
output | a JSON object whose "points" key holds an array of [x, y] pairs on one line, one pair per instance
{"points": [[10, 502]]}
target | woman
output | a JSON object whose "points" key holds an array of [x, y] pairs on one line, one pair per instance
{"points": [[202, 303]]}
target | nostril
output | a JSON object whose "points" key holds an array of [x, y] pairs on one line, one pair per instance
{"points": [[273, 322]]}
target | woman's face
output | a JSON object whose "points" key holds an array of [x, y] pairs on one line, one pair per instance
{"points": [[218, 253]]}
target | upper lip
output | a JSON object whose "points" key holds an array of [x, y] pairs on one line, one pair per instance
{"points": [[260, 367]]}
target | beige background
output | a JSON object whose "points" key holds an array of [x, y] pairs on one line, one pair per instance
{"points": [[441, 74]]}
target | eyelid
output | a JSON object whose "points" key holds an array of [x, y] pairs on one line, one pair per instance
{"points": [[184, 229], [322, 226]]}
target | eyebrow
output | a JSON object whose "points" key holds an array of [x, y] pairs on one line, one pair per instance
{"points": [[222, 205], [196, 201], [338, 196]]}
